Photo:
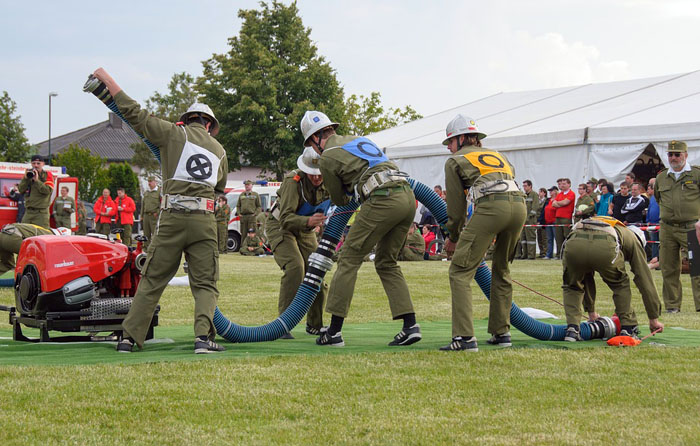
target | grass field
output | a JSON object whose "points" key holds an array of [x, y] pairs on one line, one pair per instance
{"points": [[262, 394]]}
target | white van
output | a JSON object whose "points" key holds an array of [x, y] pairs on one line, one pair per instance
{"points": [[268, 195]]}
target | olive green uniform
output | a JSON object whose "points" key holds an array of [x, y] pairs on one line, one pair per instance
{"points": [[222, 215], [82, 223], [150, 206], [261, 225], [11, 238], [414, 248], [383, 220], [37, 198], [247, 207], [499, 215], [63, 208], [587, 251], [252, 242], [528, 238], [292, 240], [589, 211], [679, 203], [191, 232]]}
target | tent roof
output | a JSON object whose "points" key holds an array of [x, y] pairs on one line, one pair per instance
{"points": [[659, 108]]}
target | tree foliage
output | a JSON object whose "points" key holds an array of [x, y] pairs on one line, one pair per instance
{"points": [[143, 158], [181, 94], [262, 86], [121, 175], [365, 115], [89, 169], [14, 146]]}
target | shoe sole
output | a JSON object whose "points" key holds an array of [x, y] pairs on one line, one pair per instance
{"points": [[412, 339], [502, 345], [338, 344], [123, 351], [201, 351], [571, 339]]}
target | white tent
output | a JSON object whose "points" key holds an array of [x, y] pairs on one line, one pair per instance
{"points": [[594, 130]]}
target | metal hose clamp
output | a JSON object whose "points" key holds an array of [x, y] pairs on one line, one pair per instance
{"points": [[319, 261]]}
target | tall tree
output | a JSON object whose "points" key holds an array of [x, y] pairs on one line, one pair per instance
{"points": [[261, 88], [121, 175], [89, 169], [365, 115], [181, 94], [13, 143]]}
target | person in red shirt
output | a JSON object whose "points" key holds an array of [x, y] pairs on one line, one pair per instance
{"points": [[550, 217], [429, 236], [125, 214], [105, 209], [564, 203]]}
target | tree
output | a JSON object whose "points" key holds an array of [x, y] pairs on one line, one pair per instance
{"points": [[261, 88], [365, 115], [121, 175], [14, 146], [89, 169], [143, 158], [181, 94]]}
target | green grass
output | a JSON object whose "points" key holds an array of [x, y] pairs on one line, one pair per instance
{"points": [[648, 394]]}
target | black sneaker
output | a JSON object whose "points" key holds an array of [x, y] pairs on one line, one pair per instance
{"points": [[126, 345], [313, 331], [572, 334], [202, 345], [460, 344], [632, 332], [287, 335], [407, 336], [502, 340], [333, 341]]}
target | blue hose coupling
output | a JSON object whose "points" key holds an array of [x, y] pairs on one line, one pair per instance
{"points": [[320, 261]]}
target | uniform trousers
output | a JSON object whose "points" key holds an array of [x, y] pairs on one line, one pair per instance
{"points": [[39, 217], [672, 239]]}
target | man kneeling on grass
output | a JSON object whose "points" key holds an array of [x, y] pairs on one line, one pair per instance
{"points": [[603, 244]]}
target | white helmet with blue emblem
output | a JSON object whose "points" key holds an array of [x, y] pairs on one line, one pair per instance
{"points": [[308, 161], [313, 121]]}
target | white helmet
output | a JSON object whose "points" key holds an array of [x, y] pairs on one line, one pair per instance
{"points": [[61, 231], [462, 125], [202, 109], [308, 161], [313, 121], [640, 235]]}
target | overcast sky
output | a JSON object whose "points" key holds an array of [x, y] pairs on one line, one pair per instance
{"points": [[433, 55]]}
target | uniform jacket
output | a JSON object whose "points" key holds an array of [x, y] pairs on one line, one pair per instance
{"points": [[587, 201], [679, 200], [25, 230], [223, 214], [126, 215], [248, 204], [109, 207], [63, 207], [343, 172], [414, 247], [150, 202], [37, 194], [296, 190], [532, 203], [461, 174], [171, 138], [255, 242]]}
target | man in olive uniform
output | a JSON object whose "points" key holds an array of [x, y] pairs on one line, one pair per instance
{"points": [[261, 224], [252, 245], [602, 245], [677, 191], [37, 186], [63, 208], [194, 169], [248, 207], [150, 206], [222, 215], [528, 238], [414, 247], [499, 212], [585, 206], [354, 166], [82, 219], [300, 208], [11, 238]]}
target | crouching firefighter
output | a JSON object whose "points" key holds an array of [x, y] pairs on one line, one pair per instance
{"points": [[194, 169], [603, 244], [301, 206], [355, 167], [12, 236], [486, 177]]}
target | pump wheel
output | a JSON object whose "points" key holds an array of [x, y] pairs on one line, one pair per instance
{"points": [[27, 290]]}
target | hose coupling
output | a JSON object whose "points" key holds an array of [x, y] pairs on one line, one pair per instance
{"points": [[320, 261]]}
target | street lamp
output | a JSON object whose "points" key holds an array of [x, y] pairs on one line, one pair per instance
{"points": [[51, 95]]}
